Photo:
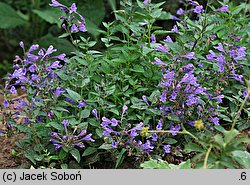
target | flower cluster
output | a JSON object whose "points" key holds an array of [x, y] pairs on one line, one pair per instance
{"points": [[75, 25], [68, 139]]}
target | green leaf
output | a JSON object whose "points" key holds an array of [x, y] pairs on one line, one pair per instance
{"points": [[76, 154], [30, 155], [173, 117], [138, 69], [120, 157], [74, 95], [230, 135], [106, 146], [64, 166], [155, 164], [185, 165], [62, 154], [9, 18], [55, 125], [243, 158], [85, 113], [89, 151], [112, 3], [190, 147], [50, 15]]}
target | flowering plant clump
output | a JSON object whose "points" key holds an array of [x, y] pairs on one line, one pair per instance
{"points": [[153, 94]]}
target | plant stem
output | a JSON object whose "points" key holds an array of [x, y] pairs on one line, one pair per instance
{"points": [[206, 157], [241, 107]]}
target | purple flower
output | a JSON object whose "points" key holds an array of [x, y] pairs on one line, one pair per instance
{"points": [[163, 97], [114, 122], [57, 146], [215, 120], [144, 98], [65, 124], [58, 91], [34, 47], [26, 121], [32, 68], [169, 75], [61, 57], [153, 39], [237, 77], [54, 65], [167, 149], [72, 8], [162, 48], [220, 61], [189, 56], [6, 103], [95, 113], [13, 90], [198, 9], [220, 48], [114, 144], [87, 138], [154, 137], [175, 129], [158, 62], [74, 28], [133, 133], [159, 125], [238, 53], [223, 9], [147, 147], [180, 11], [55, 134], [191, 100], [82, 27], [146, 3], [70, 100], [55, 3], [124, 109], [218, 98], [82, 104], [168, 39], [174, 29], [211, 56], [173, 95]]}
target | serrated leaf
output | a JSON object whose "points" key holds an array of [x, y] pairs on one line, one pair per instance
{"points": [[243, 158], [191, 147], [173, 117], [76, 154]]}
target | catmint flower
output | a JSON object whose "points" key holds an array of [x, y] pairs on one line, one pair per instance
{"points": [[81, 104], [211, 56], [175, 129], [192, 100], [58, 91], [124, 109], [163, 97], [223, 9], [70, 100], [74, 28], [6, 103], [159, 125], [144, 98], [158, 62], [153, 38], [72, 8], [146, 3], [95, 113], [34, 47], [82, 27], [147, 147], [237, 77], [32, 68], [175, 28], [26, 121], [162, 48], [238, 53], [154, 137], [173, 96], [114, 122], [215, 120], [167, 149], [220, 48], [114, 144], [220, 61], [189, 56], [13, 90], [87, 138], [55, 3], [198, 9], [218, 98], [65, 124], [180, 11], [168, 39], [61, 57]]}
